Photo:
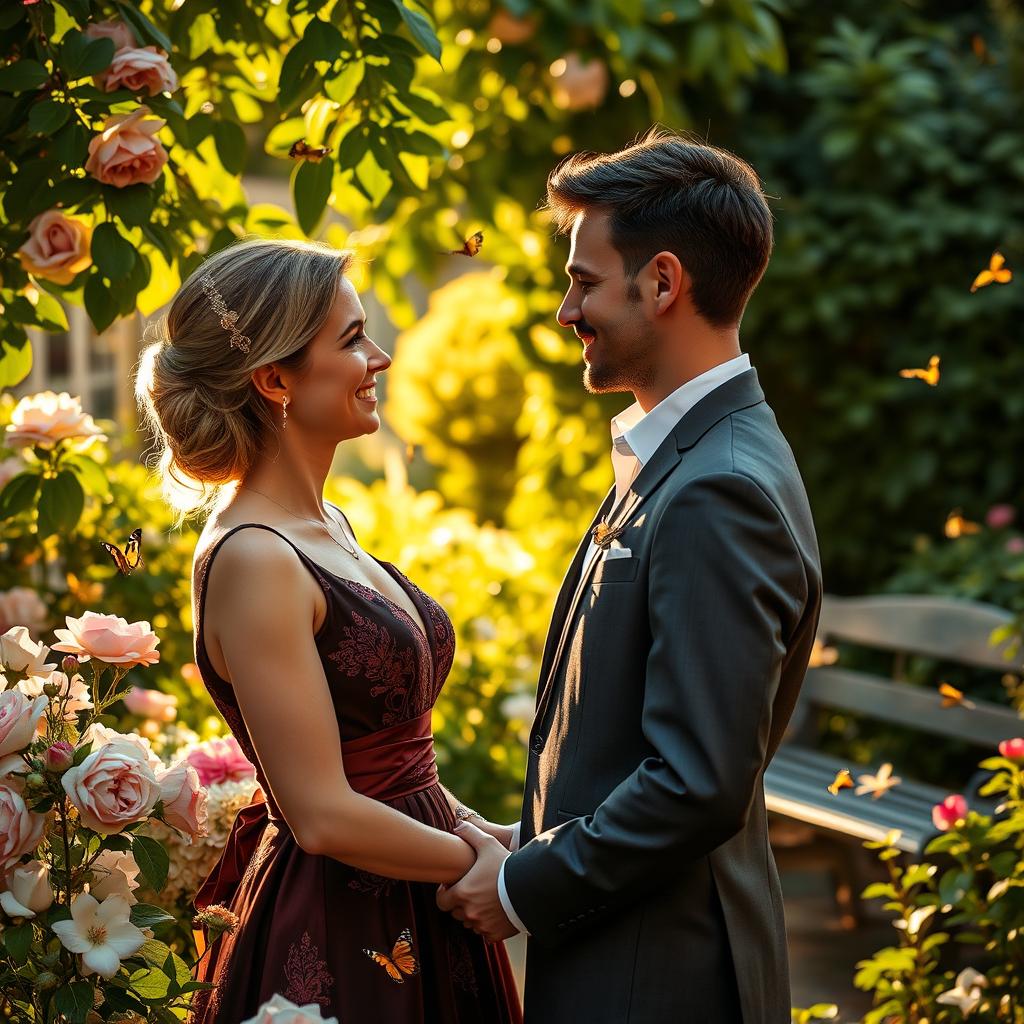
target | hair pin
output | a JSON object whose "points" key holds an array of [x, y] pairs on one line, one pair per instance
{"points": [[228, 317]]}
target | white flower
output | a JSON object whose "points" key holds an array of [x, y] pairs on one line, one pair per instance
{"points": [[100, 932], [967, 994], [115, 873], [47, 418], [74, 691], [279, 1010], [20, 653], [28, 890], [128, 743]]}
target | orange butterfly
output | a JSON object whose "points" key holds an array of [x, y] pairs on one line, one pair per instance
{"points": [[302, 150], [930, 375], [131, 559], [957, 526], [952, 697], [470, 247], [843, 780], [996, 272], [401, 961]]}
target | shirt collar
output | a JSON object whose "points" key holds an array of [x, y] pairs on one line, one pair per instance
{"points": [[645, 433]]}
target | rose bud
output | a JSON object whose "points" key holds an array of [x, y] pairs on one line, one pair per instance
{"points": [[69, 664], [35, 781], [51, 690], [59, 757]]}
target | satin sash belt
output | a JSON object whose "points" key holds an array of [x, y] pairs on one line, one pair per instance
{"points": [[384, 765]]}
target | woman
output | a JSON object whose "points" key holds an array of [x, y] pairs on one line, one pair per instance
{"points": [[324, 661]]}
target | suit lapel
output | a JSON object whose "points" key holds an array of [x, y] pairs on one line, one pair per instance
{"points": [[740, 392]]}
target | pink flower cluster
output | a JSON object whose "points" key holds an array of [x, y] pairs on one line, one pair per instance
{"points": [[220, 760]]}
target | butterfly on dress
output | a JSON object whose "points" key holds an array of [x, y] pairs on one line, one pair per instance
{"points": [[302, 150], [470, 247], [401, 961], [131, 558]]}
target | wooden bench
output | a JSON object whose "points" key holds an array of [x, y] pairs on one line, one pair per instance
{"points": [[940, 628]]}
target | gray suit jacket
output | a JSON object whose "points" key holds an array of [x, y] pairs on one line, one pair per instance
{"points": [[645, 876]]}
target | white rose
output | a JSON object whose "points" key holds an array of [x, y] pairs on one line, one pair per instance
{"points": [[282, 1011], [28, 890], [20, 653]]}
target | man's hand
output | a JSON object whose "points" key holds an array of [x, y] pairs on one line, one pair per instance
{"points": [[503, 833], [473, 900]]}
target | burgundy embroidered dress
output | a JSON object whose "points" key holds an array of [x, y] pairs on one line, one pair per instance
{"points": [[306, 920]]}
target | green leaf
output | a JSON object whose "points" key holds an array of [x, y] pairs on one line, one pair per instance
{"points": [[81, 753], [61, 500], [15, 362], [152, 860], [425, 109], [23, 76], [74, 1001], [421, 30], [323, 41], [342, 87], [112, 252], [231, 145], [133, 204], [143, 915], [90, 473], [150, 983], [47, 116], [50, 313], [83, 56], [144, 28], [420, 143], [17, 939], [311, 187], [99, 303], [19, 494]]}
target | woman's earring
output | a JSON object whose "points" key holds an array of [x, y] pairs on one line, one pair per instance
{"points": [[284, 412]]}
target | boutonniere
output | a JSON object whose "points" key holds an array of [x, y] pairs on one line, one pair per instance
{"points": [[604, 534]]}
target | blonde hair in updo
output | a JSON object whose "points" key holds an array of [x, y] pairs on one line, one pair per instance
{"points": [[195, 391]]}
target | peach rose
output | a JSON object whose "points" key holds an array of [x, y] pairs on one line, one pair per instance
{"points": [[112, 29], [27, 890], [112, 788], [19, 716], [127, 151], [110, 639], [578, 86], [184, 799], [220, 760], [47, 418], [22, 606], [100, 735], [58, 247], [161, 707], [951, 811], [144, 69], [20, 653], [280, 1010], [20, 829], [114, 874]]}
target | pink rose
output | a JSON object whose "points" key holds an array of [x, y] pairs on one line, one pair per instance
{"points": [[137, 746], [952, 810], [999, 516], [110, 639], [1015, 545], [280, 1010], [161, 707], [59, 757], [22, 606], [1013, 749], [145, 69], [127, 151], [113, 29], [58, 247], [20, 829], [47, 418], [27, 890], [112, 788], [184, 799], [19, 716], [220, 760]]}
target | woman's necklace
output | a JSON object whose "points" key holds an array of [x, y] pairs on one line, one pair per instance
{"points": [[319, 522]]}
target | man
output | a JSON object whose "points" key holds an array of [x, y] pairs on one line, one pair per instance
{"points": [[679, 640]]}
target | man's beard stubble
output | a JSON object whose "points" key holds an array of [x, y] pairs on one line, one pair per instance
{"points": [[630, 369]]}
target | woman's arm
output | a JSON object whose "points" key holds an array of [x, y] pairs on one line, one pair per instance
{"points": [[503, 833], [264, 603]]}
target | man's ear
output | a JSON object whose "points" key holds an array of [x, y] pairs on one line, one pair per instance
{"points": [[671, 280]]}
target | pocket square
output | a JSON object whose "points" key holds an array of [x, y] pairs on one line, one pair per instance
{"points": [[617, 552]]}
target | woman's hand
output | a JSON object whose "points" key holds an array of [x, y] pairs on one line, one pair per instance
{"points": [[503, 833]]}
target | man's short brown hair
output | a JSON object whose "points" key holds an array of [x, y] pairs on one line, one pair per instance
{"points": [[666, 192]]}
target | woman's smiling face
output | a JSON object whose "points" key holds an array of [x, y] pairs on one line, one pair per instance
{"points": [[335, 394]]}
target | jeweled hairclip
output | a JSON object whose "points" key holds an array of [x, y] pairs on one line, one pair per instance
{"points": [[228, 317]]}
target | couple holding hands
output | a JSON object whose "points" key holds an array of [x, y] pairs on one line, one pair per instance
{"points": [[641, 869]]}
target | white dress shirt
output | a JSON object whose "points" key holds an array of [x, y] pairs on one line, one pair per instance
{"points": [[636, 436]]}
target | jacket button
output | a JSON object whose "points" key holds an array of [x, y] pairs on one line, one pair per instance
{"points": [[538, 744]]}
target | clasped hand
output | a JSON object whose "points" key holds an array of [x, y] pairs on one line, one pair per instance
{"points": [[473, 900]]}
